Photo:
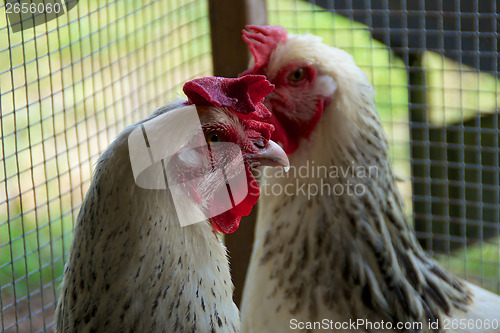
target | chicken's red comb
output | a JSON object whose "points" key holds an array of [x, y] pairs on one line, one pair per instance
{"points": [[262, 40], [243, 95], [265, 129]]}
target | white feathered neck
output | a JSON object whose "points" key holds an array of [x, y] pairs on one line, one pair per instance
{"points": [[352, 254], [132, 267]]}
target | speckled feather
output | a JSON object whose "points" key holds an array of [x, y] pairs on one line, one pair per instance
{"points": [[133, 268], [342, 257]]}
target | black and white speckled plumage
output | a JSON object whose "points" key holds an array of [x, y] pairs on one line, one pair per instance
{"points": [[343, 257], [133, 268]]}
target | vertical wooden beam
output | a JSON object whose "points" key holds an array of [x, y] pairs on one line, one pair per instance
{"points": [[230, 54], [230, 57], [419, 139]]}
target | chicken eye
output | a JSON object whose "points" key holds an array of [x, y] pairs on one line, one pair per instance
{"points": [[259, 143], [297, 75], [212, 138]]}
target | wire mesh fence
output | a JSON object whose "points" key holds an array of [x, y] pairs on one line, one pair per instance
{"points": [[69, 86], [434, 66]]}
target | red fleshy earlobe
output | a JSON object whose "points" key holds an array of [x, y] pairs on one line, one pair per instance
{"points": [[262, 40], [243, 95]]}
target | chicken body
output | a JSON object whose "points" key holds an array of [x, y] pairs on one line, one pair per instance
{"points": [[132, 267], [337, 246], [131, 260]]}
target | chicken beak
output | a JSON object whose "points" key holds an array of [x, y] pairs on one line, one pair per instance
{"points": [[271, 155]]}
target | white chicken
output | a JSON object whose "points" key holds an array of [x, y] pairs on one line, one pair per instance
{"points": [[334, 247], [132, 266]]}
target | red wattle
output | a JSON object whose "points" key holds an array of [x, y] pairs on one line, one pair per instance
{"points": [[290, 132], [229, 221]]}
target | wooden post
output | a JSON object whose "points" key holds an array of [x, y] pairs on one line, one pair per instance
{"points": [[419, 139], [230, 54], [230, 57]]}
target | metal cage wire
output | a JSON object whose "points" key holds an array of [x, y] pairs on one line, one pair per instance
{"points": [[69, 86], [434, 67]]}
